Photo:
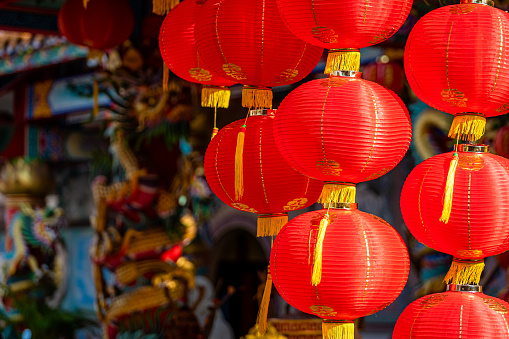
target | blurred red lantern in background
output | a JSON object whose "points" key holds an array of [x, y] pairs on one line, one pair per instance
{"points": [[364, 266], [343, 26], [450, 315], [342, 130], [178, 49], [477, 224], [271, 188], [456, 65], [386, 73], [103, 24], [247, 42]]}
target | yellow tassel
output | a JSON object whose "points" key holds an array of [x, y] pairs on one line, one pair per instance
{"points": [[469, 127], [95, 94], [162, 7], [270, 224], [316, 278], [239, 164], [85, 3], [337, 330], [166, 77], [261, 320], [256, 97], [215, 97], [343, 60], [449, 189], [465, 272], [337, 192]]}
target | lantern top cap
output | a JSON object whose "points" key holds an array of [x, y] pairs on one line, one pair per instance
{"points": [[340, 205], [464, 288], [348, 74], [471, 148], [482, 2], [262, 112]]}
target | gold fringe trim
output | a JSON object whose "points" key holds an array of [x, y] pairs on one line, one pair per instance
{"points": [[256, 97], [215, 97], [166, 77], [338, 330], [316, 278], [469, 127], [163, 7], [465, 272], [261, 320], [270, 225], [336, 192], [95, 94], [343, 60], [449, 189], [239, 164]]}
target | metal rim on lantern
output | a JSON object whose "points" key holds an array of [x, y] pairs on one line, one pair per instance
{"points": [[471, 148], [464, 288], [481, 2], [340, 205], [258, 112], [348, 74]]}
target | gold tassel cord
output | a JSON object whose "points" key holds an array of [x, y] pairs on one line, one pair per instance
{"points": [[270, 224], [465, 272], [215, 97], [316, 278], [95, 94], [163, 7], [166, 77], [256, 97], [470, 127], [239, 164], [85, 3], [449, 189], [261, 320], [338, 330], [343, 60], [337, 192]]}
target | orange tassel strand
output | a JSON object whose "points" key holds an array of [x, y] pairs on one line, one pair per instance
{"points": [[465, 272], [316, 278], [166, 77], [449, 189], [239, 164], [261, 320]]}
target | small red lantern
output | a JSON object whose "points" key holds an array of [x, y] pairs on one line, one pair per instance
{"points": [[456, 65], [271, 188], [103, 24], [247, 42], [176, 43], [454, 314], [363, 261], [342, 130], [476, 224], [343, 26]]}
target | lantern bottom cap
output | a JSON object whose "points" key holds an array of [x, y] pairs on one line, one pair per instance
{"points": [[464, 288]]}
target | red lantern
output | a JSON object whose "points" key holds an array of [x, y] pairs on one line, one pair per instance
{"points": [[452, 315], [364, 266], [388, 74], [176, 42], [247, 42], [271, 188], [103, 24], [479, 208], [342, 130], [456, 65], [343, 26]]}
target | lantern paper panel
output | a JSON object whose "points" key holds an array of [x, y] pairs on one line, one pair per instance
{"points": [[103, 24], [365, 264], [342, 130], [452, 315], [271, 187]]}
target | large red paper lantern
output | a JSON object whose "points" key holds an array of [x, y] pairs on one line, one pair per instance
{"points": [[344, 26], [342, 130], [176, 43], [456, 65], [271, 187], [364, 266], [247, 42], [452, 315], [477, 224], [103, 24]]}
